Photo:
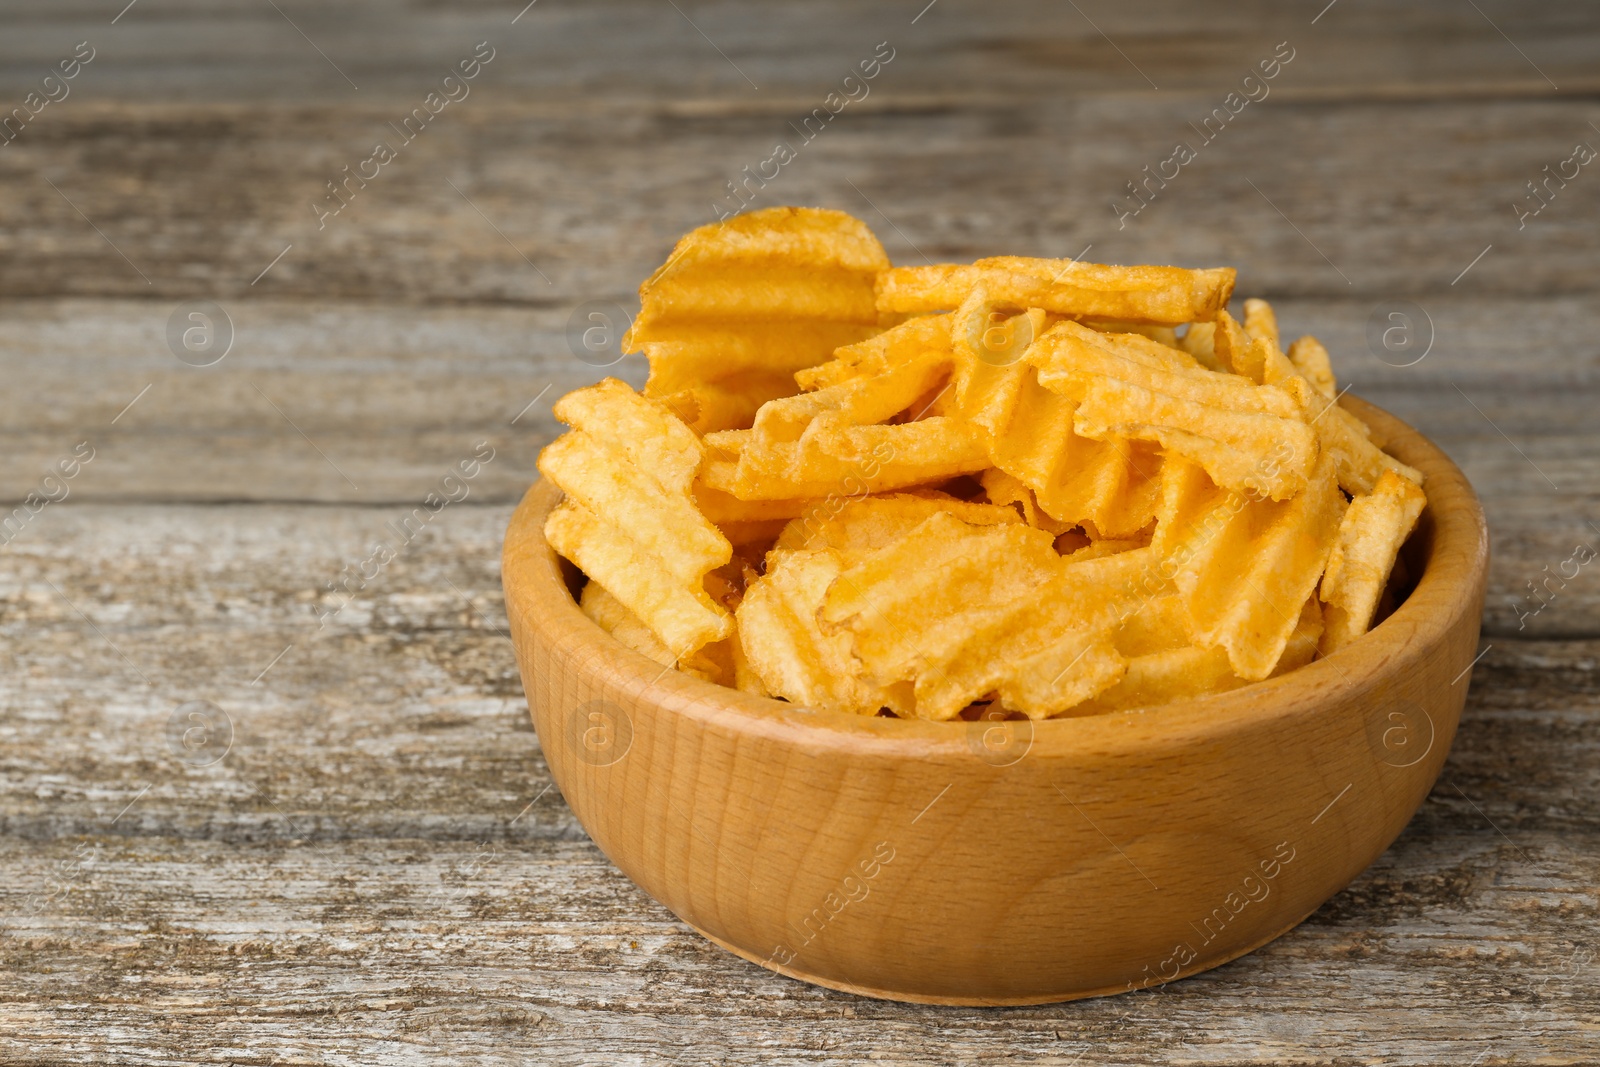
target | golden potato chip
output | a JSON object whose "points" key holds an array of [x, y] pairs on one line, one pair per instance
{"points": [[614, 618], [1238, 351], [628, 520], [876, 355], [1163, 515], [1311, 360], [857, 527], [928, 589], [1029, 431], [847, 461], [1246, 567], [1051, 653], [1105, 546], [1360, 461], [1303, 642], [766, 294], [1199, 340], [1156, 620], [776, 263], [858, 402], [1260, 321], [783, 646], [681, 615], [1167, 335], [1158, 295], [1247, 436], [714, 662], [697, 354], [1002, 488], [1181, 673], [1009, 618], [729, 403], [723, 508], [745, 678], [1369, 538], [1163, 666]]}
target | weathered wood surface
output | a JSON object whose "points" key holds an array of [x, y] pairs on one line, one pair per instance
{"points": [[376, 872]]}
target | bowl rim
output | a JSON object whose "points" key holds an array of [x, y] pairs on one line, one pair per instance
{"points": [[1457, 559]]}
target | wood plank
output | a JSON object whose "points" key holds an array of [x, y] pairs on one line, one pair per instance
{"points": [[636, 49], [325, 951], [1392, 211]]}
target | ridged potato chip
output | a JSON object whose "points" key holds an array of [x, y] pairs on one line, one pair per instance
{"points": [[1245, 567], [1131, 387], [711, 662], [1310, 358], [755, 298], [1369, 539], [784, 646], [860, 526], [629, 521], [1161, 295], [1029, 430], [1017, 487]]}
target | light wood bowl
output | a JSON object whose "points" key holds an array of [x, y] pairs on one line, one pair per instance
{"points": [[1005, 863]]}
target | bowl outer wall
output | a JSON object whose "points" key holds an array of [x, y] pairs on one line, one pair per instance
{"points": [[1072, 857]]}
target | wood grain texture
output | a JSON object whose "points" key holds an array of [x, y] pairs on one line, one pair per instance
{"points": [[273, 906]]}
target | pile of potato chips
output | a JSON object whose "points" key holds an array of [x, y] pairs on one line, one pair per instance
{"points": [[1016, 487]]}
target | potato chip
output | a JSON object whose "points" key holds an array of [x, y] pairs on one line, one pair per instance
{"points": [[1260, 321], [697, 354], [1247, 567], [1311, 360], [681, 615], [1011, 618], [1163, 666], [713, 662], [1302, 646], [773, 264], [1158, 295], [1051, 653], [1359, 460], [878, 354], [1002, 488], [1224, 422], [846, 461], [783, 646], [726, 404], [858, 402], [1167, 335], [1154, 678], [764, 294], [855, 528], [1199, 340], [612, 616], [1029, 430], [628, 520], [793, 508], [1369, 539], [928, 590], [723, 508], [1238, 351], [745, 678]]}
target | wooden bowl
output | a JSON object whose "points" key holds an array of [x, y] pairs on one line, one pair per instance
{"points": [[1005, 863]]}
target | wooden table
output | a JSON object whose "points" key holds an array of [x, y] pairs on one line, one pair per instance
{"points": [[233, 833]]}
